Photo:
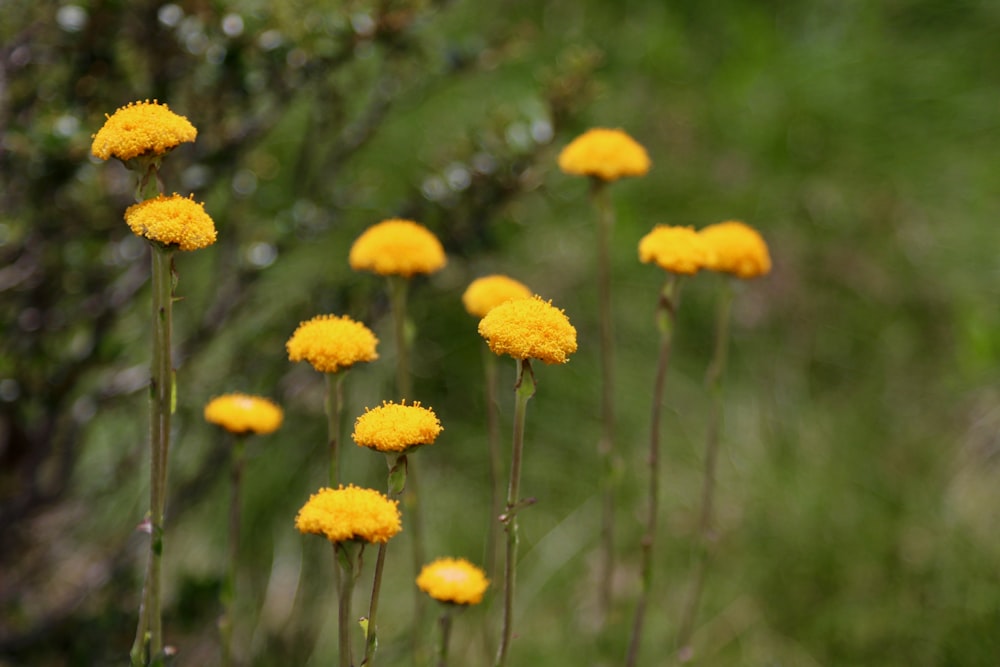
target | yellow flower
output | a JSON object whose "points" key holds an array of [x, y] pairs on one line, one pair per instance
{"points": [[141, 128], [396, 428], [240, 413], [330, 343], [350, 513], [739, 249], [453, 580], [529, 328], [484, 294], [172, 220], [605, 154], [675, 249], [397, 247]]}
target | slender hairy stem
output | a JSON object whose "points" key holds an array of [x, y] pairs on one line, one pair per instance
{"points": [[444, 622], [496, 458], [524, 389], [713, 380], [605, 449], [149, 634], [665, 317], [237, 462], [398, 287], [345, 591], [398, 475], [334, 405]]}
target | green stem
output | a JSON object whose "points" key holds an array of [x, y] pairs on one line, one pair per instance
{"points": [[149, 633], [605, 226], [665, 320], [398, 467], [713, 380], [237, 462], [524, 389], [345, 591], [334, 405], [444, 623], [397, 298]]}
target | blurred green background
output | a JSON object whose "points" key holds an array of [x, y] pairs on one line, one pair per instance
{"points": [[859, 486]]}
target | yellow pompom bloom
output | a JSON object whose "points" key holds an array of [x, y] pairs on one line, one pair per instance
{"points": [[454, 580], [141, 128], [529, 329], [241, 413], [605, 154], [173, 220], [349, 513], [738, 248], [675, 249], [484, 294], [395, 427], [331, 343], [397, 247]]}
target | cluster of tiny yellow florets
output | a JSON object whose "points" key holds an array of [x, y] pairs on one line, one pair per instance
{"points": [[331, 343], [349, 513], [173, 221], [737, 248], [397, 247], [242, 413], [453, 580], [607, 154], [394, 427], [486, 293], [529, 329], [675, 249], [141, 128]]}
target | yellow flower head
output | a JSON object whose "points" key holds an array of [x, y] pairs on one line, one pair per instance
{"points": [[605, 154], [397, 247], [173, 220], [529, 329], [240, 413], [331, 343], [350, 513], [141, 128], [454, 580], [396, 427], [675, 249], [739, 249], [484, 294]]}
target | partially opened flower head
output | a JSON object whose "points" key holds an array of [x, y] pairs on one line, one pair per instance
{"points": [[141, 128], [453, 580], [331, 343], [349, 513], [484, 294], [676, 249], [241, 413], [529, 329], [172, 221], [738, 249], [396, 427], [607, 154], [397, 247]]}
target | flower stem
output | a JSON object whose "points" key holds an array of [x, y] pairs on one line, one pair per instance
{"points": [[524, 389], [665, 319], [444, 623], [334, 405], [237, 462], [496, 458], [149, 633], [605, 449], [345, 585], [713, 380], [398, 467]]}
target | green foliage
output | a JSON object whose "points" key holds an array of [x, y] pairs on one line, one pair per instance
{"points": [[858, 489]]}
